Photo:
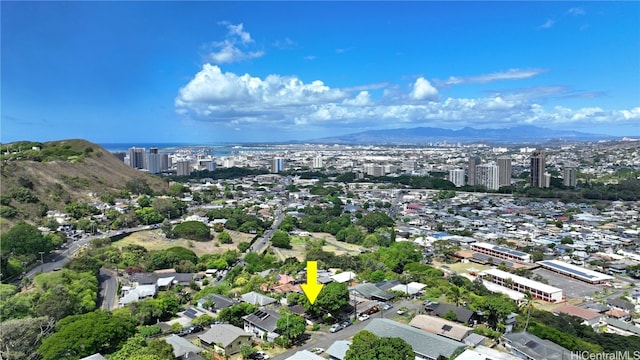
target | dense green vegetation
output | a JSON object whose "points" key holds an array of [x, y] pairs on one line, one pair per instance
{"points": [[68, 150], [194, 230], [238, 219], [83, 335]]}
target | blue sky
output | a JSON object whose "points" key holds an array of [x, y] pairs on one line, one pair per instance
{"points": [[265, 71]]}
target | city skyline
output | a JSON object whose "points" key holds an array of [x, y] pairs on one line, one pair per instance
{"points": [[260, 71]]}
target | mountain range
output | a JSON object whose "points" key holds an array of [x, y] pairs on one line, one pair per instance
{"points": [[422, 135]]}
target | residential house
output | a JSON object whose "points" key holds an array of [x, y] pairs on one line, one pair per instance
{"points": [[439, 326], [305, 355], [425, 345], [619, 304], [463, 315], [182, 348], [615, 326], [371, 292], [484, 353], [412, 288], [262, 323], [528, 346], [338, 350], [255, 298], [134, 294], [225, 338], [589, 317], [217, 302]]}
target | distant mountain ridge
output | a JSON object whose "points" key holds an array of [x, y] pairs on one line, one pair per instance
{"points": [[421, 135]]}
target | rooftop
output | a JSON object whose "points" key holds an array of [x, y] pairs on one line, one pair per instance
{"points": [[423, 343]]}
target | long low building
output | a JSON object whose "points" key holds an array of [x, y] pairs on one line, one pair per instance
{"points": [[521, 284], [576, 272], [501, 252]]}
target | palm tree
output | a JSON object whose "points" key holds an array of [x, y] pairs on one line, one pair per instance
{"points": [[455, 294], [526, 306]]}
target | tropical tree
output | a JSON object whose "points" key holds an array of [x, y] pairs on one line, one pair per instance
{"points": [[290, 327], [79, 336], [368, 346]]}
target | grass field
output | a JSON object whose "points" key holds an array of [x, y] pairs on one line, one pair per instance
{"points": [[155, 240], [331, 245]]}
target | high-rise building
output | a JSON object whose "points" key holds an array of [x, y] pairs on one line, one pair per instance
{"points": [[183, 168], [456, 176], [374, 170], [317, 162], [471, 169], [165, 162], [537, 169], [153, 161], [570, 173], [488, 176], [504, 170], [137, 158], [228, 162], [277, 165]]}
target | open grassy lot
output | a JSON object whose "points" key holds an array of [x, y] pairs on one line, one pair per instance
{"points": [[155, 240], [298, 244], [461, 268]]}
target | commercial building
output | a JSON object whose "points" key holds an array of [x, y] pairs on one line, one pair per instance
{"points": [[521, 284], [501, 252], [456, 176], [504, 170], [576, 272], [536, 169]]}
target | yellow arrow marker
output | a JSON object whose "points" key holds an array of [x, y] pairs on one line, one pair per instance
{"points": [[312, 288]]}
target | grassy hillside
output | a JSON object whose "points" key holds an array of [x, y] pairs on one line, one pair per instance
{"points": [[36, 177]]}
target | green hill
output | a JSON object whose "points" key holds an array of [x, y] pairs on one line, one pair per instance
{"points": [[36, 177]]}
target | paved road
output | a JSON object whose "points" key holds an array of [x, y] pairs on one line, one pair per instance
{"points": [[56, 260], [324, 339], [108, 289]]}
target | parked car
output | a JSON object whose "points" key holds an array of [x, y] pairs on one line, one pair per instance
{"points": [[317, 350], [363, 317], [335, 328], [387, 306], [195, 329], [346, 323], [263, 355], [402, 310]]}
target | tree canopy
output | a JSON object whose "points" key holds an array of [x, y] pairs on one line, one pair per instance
{"points": [[194, 230], [79, 336], [368, 346]]}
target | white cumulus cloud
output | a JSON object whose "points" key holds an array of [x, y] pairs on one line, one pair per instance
{"points": [[234, 47], [423, 90], [278, 102]]}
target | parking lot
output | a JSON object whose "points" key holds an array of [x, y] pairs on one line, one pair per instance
{"points": [[572, 288]]}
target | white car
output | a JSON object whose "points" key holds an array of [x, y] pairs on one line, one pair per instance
{"points": [[317, 350], [363, 317]]}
